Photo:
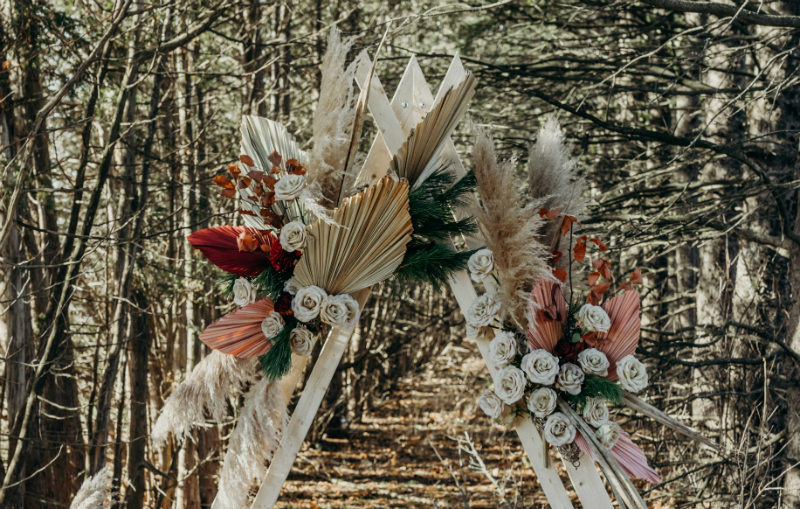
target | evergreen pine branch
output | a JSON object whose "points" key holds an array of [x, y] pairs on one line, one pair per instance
{"points": [[225, 284], [271, 282], [430, 262], [597, 387], [278, 360]]}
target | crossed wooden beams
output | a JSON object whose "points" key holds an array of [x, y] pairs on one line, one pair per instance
{"points": [[395, 119]]}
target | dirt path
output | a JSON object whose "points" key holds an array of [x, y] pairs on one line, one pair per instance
{"points": [[407, 453]]}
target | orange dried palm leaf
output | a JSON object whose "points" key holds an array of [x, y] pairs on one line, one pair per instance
{"points": [[239, 333]]}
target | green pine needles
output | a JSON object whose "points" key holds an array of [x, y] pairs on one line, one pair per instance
{"points": [[430, 257], [278, 360], [271, 282], [597, 387]]}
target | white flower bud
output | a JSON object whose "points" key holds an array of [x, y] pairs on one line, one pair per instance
{"points": [[307, 302], [593, 318], [632, 374], [542, 402], [243, 292]]}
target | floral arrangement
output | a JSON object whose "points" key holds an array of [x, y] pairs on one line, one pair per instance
{"points": [[310, 242], [580, 354], [564, 349]]}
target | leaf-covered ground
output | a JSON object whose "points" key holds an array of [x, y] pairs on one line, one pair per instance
{"points": [[407, 453]]}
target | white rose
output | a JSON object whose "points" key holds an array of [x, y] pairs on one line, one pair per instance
{"points": [[480, 264], [491, 404], [570, 379], [482, 311], [243, 292], [289, 187], [541, 366], [503, 348], [594, 362], [339, 310], [632, 374], [293, 236], [307, 303], [608, 434], [542, 402], [353, 311], [511, 385], [272, 325], [301, 340], [558, 430], [595, 412], [594, 318], [290, 286]]}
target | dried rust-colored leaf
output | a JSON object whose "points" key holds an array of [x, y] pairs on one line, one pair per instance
{"points": [[636, 277], [593, 277], [604, 267], [566, 225], [275, 158], [549, 214], [560, 273], [599, 243], [247, 160], [228, 193], [579, 251], [234, 170], [223, 182]]}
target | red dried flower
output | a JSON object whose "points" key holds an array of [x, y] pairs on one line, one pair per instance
{"points": [[281, 260], [284, 304], [568, 351]]}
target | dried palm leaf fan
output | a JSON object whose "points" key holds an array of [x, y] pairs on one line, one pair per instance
{"points": [[366, 244], [418, 153], [260, 138]]}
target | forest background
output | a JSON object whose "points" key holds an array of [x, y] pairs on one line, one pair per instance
{"points": [[684, 117]]}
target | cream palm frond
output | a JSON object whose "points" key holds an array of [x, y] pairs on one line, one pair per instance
{"points": [[366, 244], [417, 156]]}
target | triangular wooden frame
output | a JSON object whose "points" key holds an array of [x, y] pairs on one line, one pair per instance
{"points": [[394, 120]]}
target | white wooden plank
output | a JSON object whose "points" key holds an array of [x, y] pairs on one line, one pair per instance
{"points": [[304, 413], [529, 436]]}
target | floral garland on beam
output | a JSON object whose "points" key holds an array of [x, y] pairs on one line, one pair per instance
{"points": [[581, 353]]}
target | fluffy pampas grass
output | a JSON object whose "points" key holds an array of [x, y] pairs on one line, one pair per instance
{"points": [[551, 175], [252, 443], [205, 391], [94, 492], [333, 120], [511, 230]]}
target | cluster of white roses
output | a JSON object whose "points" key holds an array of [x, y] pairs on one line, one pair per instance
{"points": [[544, 372], [311, 302], [483, 310]]}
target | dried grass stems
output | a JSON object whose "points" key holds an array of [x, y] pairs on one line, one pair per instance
{"points": [[552, 181], [204, 392], [333, 120], [94, 493], [511, 229], [252, 443]]}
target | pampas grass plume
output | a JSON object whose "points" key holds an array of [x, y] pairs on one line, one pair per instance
{"points": [[511, 230], [94, 492], [206, 389]]}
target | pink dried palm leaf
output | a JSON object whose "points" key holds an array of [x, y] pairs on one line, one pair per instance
{"points": [[629, 456], [547, 315], [219, 245], [239, 333], [623, 336]]}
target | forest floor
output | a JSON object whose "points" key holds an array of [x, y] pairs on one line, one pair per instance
{"points": [[414, 450]]}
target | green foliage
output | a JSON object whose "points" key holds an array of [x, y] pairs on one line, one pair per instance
{"points": [[594, 387], [225, 284], [429, 256], [271, 282], [278, 360], [430, 262]]}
